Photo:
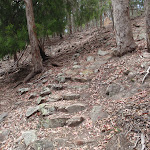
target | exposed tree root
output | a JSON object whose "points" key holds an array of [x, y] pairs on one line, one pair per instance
{"points": [[31, 75]]}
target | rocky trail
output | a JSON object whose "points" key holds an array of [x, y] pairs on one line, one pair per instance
{"points": [[92, 101]]}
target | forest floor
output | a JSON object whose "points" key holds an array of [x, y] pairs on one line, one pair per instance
{"points": [[90, 100]]}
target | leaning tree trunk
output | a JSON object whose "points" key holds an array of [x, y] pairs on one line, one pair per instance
{"points": [[147, 13], [123, 29], [35, 51]]}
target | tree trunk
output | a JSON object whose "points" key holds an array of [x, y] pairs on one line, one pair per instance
{"points": [[123, 29], [70, 23], [147, 13], [35, 51]]}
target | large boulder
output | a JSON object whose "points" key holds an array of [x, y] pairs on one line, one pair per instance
{"points": [[119, 142], [113, 89]]}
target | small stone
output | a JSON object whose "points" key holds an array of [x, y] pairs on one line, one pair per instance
{"points": [[96, 70], [102, 53], [75, 121], [29, 137], [71, 96], [45, 92], [3, 116], [23, 90], [131, 75], [76, 67], [61, 79], [126, 72], [75, 108], [32, 95], [75, 63], [90, 59], [44, 81], [97, 113], [75, 56], [57, 87]]}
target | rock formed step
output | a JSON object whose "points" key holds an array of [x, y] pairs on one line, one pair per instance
{"points": [[75, 108], [53, 123], [75, 121]]}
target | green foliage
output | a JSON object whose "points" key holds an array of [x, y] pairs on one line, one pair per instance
{"points": [[13, 33]]}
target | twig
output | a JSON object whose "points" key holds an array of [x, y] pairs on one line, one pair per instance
{"points": [[135, 145], [142, 141], [147, 72], [131, 126]]}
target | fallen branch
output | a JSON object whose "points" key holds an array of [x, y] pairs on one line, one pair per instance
{"points": [[142, 141], [147, 73]]}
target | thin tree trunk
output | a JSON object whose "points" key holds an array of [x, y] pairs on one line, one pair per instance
{"points": [[123, 29], [101, 20], [147, 13], [35, 51]]}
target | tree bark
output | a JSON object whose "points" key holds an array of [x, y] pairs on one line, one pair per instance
{"points": [[147, 14], [123, 29], [35, 51]]}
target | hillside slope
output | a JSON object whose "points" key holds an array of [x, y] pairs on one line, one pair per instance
{"points": [[90, 101]]}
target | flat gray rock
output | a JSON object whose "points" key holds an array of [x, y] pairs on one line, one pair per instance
{"points": [[71, 96], [75, 121], [4, 135], [53, 123], [29, 137], [98, 113], [3, 116], [30, 111], [43, 144], [113, 89], [75, 108], [45, 92], [54, 98]]}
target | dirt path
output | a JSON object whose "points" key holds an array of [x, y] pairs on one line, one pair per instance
{"points": [[90, 101]]}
